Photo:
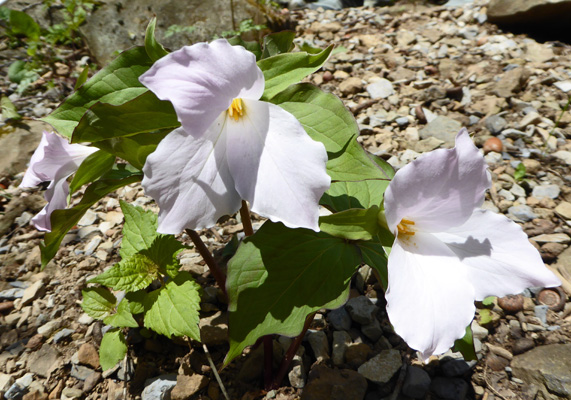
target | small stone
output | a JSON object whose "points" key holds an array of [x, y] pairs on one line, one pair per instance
{"points": [[417, 383], [341, 340], [554, 298], [88, 355], [373, 331], [522, 345], [496, 363], [85, 319], [381, 368], [357, 353], [319, 345], [449, 388], [478, 331], [495, 124], [453, 367], [493, 144], [511, 304], [550, 191], [32, 292], [380, 89], [214, 329], [50, 327], [500, 351], [80, 372], [442, 128], [564, 156], [564, 86], [351, 85], [42, 361], [540, 312], [564, 210], [325, 383], [186, 386], [35, 342], [88, 218], [71, 393], [339, 319], [552, 238], [522, 212], [159, 388], [361, 310], [62, 334], [91, 381]]}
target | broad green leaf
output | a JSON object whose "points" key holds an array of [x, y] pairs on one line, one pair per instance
{"points": [[98, 302], [9, 109], [19, 23], [489, 301], [345, 195], [173, 309], [63, 220], [354, 164], [279, 276], [115, 84], [91, 169], [282, 70], [17, 71], [163, 252], [520, 172], [466, 345], [375, 255], [123, 317], [136, 301], [278, 43], [253, 47], [82, 78], [353, 224], [145, 113], [154, 49], [139, 230], [112, 349], [130, 274], [133, 149]]}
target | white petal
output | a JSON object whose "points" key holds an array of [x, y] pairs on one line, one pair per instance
{"points": [[277, 167], [31, 178], [190, 181], [56, 195], [429, 298], [202, 80], [499, 257], [440, 189]]}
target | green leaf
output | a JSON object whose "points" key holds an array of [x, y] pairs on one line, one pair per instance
{"points": [[145, 113], [466, 345], [277, 278], [19, 23], [82, 78], [9, 109], [154, 49], [173, 309], [253, 46], [131, 274], [355, 164], [354, 194], [98, 302], [353, 224], [375, 255], [63, 220], [17, 71], [123, 317], [520, 172], [136, 301], [489, 301], [139, 230], [282, 70], [133, 149], [115, 84], [91, 169], [163, 252], [112, 349], [278, 43]]}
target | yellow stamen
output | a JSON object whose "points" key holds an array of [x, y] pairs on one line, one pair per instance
{"points": [[405, 227], [236, 109]]}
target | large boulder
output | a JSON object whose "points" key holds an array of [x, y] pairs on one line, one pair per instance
{"points": [[534, 12], [17, 144]]}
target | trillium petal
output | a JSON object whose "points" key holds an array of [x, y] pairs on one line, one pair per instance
{"points": [[277, 167], [189, 179], [429, 299], [31, 177], [499, 257], [56, 195], [440, 189], [202, 80]]}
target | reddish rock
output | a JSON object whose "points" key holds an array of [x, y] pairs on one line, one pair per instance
{"points": [[493, 144]]}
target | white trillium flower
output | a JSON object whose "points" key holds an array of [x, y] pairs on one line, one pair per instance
{"points": [[448, 251], [54, 161], [231, 146]]}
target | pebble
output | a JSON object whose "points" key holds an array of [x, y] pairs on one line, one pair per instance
{"points": [[449, 388], [522, 213], [381, 368], [380, 89], [522, 345], [319, 344], [416, 383], [341, 340], [339, 319], [361, 310], [159, 388], [495, 124], [540, 311], [493, 144], [62, 334], [187, 386], [550, 191]]}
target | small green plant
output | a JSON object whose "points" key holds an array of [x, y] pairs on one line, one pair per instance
{"points": [[520, 172], [74, 13], [245, 26], [178, 29]]}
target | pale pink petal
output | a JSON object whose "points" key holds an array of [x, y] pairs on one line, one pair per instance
{"points": [[56, 195], [190, 181], [277, 167], [31, 177], [202, 80], [499, 257], [429, 298], [440, 189]]}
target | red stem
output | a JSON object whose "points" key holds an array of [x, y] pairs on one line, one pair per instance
{"points": [[207, 256]]}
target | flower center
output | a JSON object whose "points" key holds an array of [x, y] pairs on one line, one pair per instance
{"points": [[236, 109], [406, 227]]}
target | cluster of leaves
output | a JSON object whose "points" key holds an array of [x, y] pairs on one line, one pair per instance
{"points": [[148, 258], [276, 277], [245, 26], [74, 14]]}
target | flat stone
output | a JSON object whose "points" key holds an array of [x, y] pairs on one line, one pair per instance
{"points": [[352, 85], [88, 355], [373, 330], [6, 380], [159, 388], [495, 124], [550, 191], [522, 213], [339, 319], [326, 384], [361, 310], [564, 209], [71, 393], [381, 368], [341, 340], [42, 361], [417, 383], [564, 156], [449, 388], [547, 366], [214, 329], [442, 128], [80, 372], [319, 344], [186, 386], [552, 238], [49, 327], [380, 89], [564, 86]]}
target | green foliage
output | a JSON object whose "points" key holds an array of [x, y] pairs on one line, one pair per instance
{"points": [[91, 169], [154, 49], [466, 345], [98, 303], [112, 349], [19, 24], [520, 172], [123, 317], [352, 224], [74, 13], [9, 109], [278, 43], [23, 73], [177, 30], [245, 26]]}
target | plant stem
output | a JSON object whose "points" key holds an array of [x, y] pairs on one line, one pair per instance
{"points": [[246, 221], [284, 366], [207, 256]]}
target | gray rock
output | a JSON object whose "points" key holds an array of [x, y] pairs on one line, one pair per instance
{"points": [[373, 331], [63, 334], [442, 128], [341, 341], [381, 368], [564, 156], [564, 86], [361, 310], [449, 388], [339, 319], [380, 89], [495, 124], [515, 133], [540, 312], [478, 331], [452, 368], [319, 344], [417, 383], [522, 212], [298, 375], [546, 367], [17, 146], [523, 12], [551, 191], [71, 393], [402, 121], [214, 329], [325, 383], [159, 388], [80, 372], [11, 294], [42, 361]]}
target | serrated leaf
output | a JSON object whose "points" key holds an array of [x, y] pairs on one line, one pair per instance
{"points": [[131, 274], [91, 169], [173, 309], [115, 84], [63, 220], [154, 49], [98, 302], [123, 317], [139, 230], [9, 109], [353, 224], [145, 113], [277, 278], [136, 301], [466, 345], [278, 43], [163, 252], [282, 70], [112, 349]]}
